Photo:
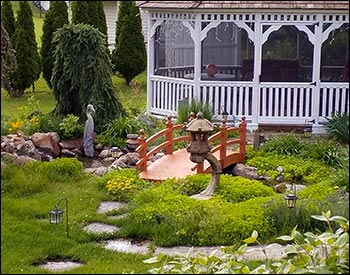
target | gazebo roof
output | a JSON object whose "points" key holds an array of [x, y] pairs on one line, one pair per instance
{"points": [[309, 5]]}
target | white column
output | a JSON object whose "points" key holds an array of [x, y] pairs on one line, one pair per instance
{"points": [[197, 55], [257, 71], [150, 62], [316, 74]]}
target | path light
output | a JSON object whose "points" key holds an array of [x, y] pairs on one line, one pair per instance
{"points": [[225, 115], [56, 215], [291, 197], [114, 152]]}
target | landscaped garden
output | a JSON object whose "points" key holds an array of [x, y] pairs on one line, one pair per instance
{"points": [[244, 211]]}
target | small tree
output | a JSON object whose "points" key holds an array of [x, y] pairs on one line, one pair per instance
{"points": [[82, 74], [129, 55], [8, 18], [27, 55], [8, 60], [55, 18]]}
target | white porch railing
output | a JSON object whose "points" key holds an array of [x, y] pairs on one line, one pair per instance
{"points": [[280, 103], [167, 92]]}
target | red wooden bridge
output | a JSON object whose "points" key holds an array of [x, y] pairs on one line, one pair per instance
{"points": [[177, 163]]}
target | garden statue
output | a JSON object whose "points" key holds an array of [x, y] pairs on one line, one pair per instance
{"points": [[200, 151], [88, 132]]}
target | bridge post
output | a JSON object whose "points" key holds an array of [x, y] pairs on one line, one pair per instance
{"points": [[242, 136], [143, 151], [223, 139], [169, 136]]}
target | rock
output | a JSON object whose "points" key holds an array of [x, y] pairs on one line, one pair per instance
{"points": [[280, 188], [72, 143], [245, 171], [104, 154], [21, 160], [130, 159], [68, 154], [47, 140], [107, 161], [146, 120]]}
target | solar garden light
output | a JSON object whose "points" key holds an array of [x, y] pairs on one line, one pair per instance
{"points": [[56, 215], [291, 198], [114, 152], [225, 115]]}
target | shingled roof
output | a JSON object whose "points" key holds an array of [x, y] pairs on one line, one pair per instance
{"points": [[319, 5]]}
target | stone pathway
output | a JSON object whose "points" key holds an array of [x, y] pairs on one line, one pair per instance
{"points": [[273, 251]]}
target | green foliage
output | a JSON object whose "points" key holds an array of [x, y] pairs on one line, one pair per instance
{"points": [[283, 144], [325, 253], [338, 127], [327, 151], [8, 61], [82, 74], [8, 17], [115, 132], [70, 128], [184, 110], [55, 18], [129, 56], [294, 168], [163, 215], [122, 185], [25, 45], [91, 13], [34, 177], [340, 177]]}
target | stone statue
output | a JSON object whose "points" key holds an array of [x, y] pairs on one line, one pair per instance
{"points": [[88, 131]]}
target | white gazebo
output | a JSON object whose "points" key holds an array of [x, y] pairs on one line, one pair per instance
{"points": [[274, 62]]}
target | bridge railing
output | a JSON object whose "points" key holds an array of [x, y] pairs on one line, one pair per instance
{"points": [[168, 145]]}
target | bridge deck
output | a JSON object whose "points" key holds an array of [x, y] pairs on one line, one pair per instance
{"points": [[178, 165]]}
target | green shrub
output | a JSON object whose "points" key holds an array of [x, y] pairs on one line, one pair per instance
{"points": [[60, 169], [161, 214], [324, 150], [340, 177], [195, 106], [122, 185], [338, 127], [283, 144], [294, 168], [70, 128], [115, 133]]}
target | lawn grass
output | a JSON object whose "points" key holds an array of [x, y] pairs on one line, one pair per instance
{"points": [[28, 239]]}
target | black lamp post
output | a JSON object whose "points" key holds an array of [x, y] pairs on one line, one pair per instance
{"points": [[224, 115], [56, 215], [291, 199]]}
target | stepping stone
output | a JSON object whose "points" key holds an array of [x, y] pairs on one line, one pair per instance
{"points": [[60, 266], [127, 246], [117, 217], [100, 228], [107, 206]]}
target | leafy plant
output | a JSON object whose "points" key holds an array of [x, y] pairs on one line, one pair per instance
{"points": [[70, 127], [195, 106], [284, 144], [326, 253], [338, 127]]}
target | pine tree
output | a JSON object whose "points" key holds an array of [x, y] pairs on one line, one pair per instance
{"points": [[80, 12], [24, 43], [55, 18], [129, 55], [8, 61], [8, 18], [82, 74]]}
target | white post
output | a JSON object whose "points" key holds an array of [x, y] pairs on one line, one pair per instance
{"points": [[150, 62], [197, 55], [316, 74], [257, 71]]}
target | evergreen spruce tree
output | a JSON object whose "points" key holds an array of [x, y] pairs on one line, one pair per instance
{"points": [[24, 43], [129, 55], [7, 17], [97, 16], [82, 74], [8, 61], [80, 12], [55, 18]]}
